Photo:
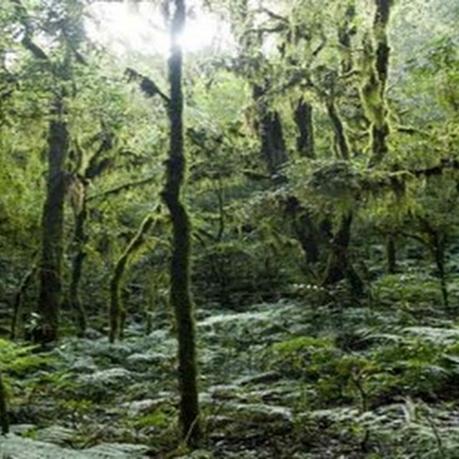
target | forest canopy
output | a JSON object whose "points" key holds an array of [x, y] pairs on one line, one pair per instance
{"points": [[229, 228]]}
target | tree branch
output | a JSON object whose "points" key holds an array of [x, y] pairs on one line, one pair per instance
{"points": [[27, 41], [147, 85], [123, 187]]}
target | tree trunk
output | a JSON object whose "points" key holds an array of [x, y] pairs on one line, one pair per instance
{"points": [[376, 84], [117, 312], [273, 148], [80, 239], [305, 137], [339, 266], [18, 298], [338, 258], [180, 295], [4, 421], [96, 166], [391, 254], [307, 235], [339, 130], [436, 240], [438, 243], [306, 231], [52, 228]]}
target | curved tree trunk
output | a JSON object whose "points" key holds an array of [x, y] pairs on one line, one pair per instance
{"points": [[52, 228], [117, 311], [180, 295]]}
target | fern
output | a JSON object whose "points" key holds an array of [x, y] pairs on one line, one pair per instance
{"points": [[17, 360]]}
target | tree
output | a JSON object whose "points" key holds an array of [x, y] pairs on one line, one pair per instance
{"points": [[56, 184], [180, 296]]}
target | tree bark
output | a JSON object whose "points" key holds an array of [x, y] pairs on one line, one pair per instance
{"points": [[273, 148], [52, 227], [376, 84], [97, 164], [338, 259], [339, 130], [304, 123], [117, 311], [339, 265], [4, 420], [180, 295], [80, 239], [391, 254], [18, 298], [440, 260]]}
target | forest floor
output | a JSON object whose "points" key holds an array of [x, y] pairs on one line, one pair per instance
{"points": [[283, 380]]}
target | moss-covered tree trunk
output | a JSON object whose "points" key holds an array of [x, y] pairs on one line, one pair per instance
{"points": [[19, 297], [304, 123], [439, 252], [375, 70], [180, 295], [95, 167], [391, 254], [339, 266], [4, 420], [374, 89], [436, 241], [305, 228], [80, 238], [343, 149], [52, 227], [273, 149], [117, 311]]}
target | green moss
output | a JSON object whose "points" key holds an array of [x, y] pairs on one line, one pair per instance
{"points": [[157, 419]]}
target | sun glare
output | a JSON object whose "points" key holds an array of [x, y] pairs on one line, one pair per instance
{"points": [[125, 29]]}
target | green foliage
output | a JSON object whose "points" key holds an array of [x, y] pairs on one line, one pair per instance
{"points": [[371, 376], [304, 356], [406, 290], [19, 360], [159, 419]]}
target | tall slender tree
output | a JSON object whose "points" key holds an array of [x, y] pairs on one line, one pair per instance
{"points": [[180, 295]]}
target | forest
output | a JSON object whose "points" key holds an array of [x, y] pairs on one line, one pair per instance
{"points": [[229, 229]]}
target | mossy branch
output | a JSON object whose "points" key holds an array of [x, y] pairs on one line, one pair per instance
{"points": [[117, 311], [123, 187]]}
